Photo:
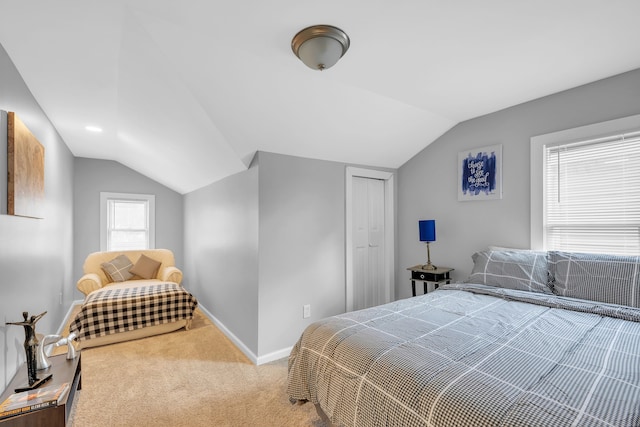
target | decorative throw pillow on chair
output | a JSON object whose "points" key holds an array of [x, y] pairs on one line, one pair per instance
{"points": [[118, 268], [145, 268]]}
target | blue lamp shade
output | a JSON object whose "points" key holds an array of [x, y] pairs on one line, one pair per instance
{"points": [[427, 230]]}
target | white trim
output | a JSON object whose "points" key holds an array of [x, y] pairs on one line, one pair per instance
{"points": [[389, 203], [67, 316], [537, 203], [49, 349], [256, 360], [234, 339], [274, 355], [540, 142], [150, 198]]}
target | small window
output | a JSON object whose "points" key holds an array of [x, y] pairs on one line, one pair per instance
{"points": [[586, 197], [127, 221]]}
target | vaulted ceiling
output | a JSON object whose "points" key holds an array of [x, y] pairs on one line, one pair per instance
{"points": [[187, 91]]}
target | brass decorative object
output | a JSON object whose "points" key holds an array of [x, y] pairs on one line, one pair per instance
{"points": [[428, 265]]}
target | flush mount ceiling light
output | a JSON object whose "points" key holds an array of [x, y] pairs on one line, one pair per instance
{"points": [[320, 46]]}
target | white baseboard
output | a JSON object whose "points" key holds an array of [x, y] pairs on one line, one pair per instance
{"points": [[68, 315], [49, 348], [243, 348], [274, 355]]}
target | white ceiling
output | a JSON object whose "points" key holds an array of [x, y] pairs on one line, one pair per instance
{"points": [[187, 91]]}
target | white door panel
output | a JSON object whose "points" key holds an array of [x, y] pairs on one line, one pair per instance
{"points": [[369, 288]]}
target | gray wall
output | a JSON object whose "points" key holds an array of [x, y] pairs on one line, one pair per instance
{"points": [[221, 252], [94, 176], [428, 182], [302, 252], [35, 254], [262, 243]]}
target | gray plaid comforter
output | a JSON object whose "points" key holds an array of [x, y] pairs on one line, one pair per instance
{"points": [[116, 308], [473, 355]]}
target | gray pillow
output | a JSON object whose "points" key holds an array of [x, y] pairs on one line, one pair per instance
{"points": [[520, 270], [597, 277], [118, 268]]}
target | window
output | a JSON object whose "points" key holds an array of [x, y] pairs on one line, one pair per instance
{"points": [[127, 221], [585, 191]]}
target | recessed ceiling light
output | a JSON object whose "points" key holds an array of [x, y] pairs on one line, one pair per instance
{"points": [[93, 128]]}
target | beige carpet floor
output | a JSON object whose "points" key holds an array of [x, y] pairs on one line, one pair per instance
{"points": [[185, 378]]}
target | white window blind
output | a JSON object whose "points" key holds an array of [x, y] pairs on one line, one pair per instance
{"points": [[592, 195]]}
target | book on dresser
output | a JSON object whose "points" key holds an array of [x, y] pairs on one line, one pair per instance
{"points": [[33, 400]]}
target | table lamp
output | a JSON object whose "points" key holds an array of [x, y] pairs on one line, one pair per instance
{"points": [[428, 234]]}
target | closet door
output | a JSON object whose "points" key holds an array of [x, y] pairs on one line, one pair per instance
{"points": [[369, 287]]}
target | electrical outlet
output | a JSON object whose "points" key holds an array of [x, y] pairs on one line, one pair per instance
{"points": [[306, 311]]}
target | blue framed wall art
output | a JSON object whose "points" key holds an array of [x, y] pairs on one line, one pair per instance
{"points": [[480, 173]]}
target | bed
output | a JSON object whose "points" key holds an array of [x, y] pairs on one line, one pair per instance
{"points": [[517, 344], [132, 310]]}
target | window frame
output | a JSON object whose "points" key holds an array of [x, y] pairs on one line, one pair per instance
{"points": [[567, 136], [105, 197]]}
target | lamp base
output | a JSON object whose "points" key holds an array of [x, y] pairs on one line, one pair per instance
{"points": [[429, 266]]}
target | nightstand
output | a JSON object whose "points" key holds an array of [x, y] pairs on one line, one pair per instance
{"points": [[437, 276]]}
